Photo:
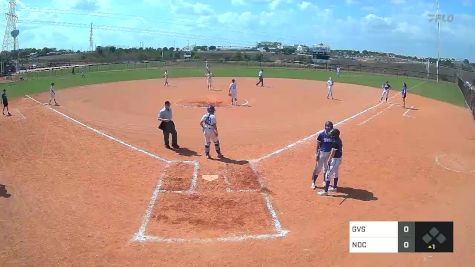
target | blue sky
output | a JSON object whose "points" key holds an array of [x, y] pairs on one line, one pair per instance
{"points": [[399, 26]]}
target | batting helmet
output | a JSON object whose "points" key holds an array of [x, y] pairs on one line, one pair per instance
{"points": [[211, 109], [328, 125], [335, 133]]}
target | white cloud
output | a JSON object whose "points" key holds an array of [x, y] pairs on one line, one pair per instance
{"points": [[350, 2], [304, 5], [374, 23]]}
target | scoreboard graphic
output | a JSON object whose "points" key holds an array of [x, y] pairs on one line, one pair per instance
{"points": [[400, 237]]}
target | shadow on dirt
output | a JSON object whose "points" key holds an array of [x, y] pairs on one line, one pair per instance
{"points": [[3, 191], [354, 193]]}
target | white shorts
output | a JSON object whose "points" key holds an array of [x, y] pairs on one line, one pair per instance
{"points": [[321, 162], [234, 95], [210, 136]]}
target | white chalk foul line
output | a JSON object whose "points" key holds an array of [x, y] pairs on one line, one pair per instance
{"points": [[107, 135], [376, 115], [407, 111], [305, 139], [209, 240], [21, 114], [148, 212], [270, 208]]}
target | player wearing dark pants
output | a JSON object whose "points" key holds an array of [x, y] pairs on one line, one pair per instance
{"points": [[168, 126], [404, 94], [261, 78], [5, 103], [333, 163]]}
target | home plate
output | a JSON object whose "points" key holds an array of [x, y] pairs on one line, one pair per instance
{"points": [[210, 178]]}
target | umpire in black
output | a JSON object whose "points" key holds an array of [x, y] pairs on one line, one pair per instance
{"points": [[167, 126]]}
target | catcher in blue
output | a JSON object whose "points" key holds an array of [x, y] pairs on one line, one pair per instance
{"points": [[324, 142], [210, 131], [333, 162]]}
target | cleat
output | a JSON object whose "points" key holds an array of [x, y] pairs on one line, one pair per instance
{"points": [[220, 156], [168, 147], [313, 186], [323, 193], [176, 146], [333, 189], [208, 156]]}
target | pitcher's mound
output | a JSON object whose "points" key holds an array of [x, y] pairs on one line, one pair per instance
{"points": [[205, 101]]}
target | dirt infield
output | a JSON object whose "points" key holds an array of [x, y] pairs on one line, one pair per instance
{"points": [[92, 183]]}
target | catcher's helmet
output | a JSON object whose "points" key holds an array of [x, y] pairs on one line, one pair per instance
{"points": [[211, 109], [335, 133], [328, 125]]}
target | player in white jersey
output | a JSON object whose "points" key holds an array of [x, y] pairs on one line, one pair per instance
{"points": [[233, 92], [330, 88], [207, 66], [386, 88], [338, 69], [52, 95], [210, 131], [165, 75], [209, 80]]}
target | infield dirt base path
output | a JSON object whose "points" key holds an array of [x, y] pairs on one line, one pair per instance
{"points": [[73, 197]]}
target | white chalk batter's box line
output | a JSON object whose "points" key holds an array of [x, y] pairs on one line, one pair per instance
{"points": [[140, 235], [280, 232]]}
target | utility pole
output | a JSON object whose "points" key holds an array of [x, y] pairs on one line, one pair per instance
{"points": [[438, 39], [11, 17], [91, 39]]}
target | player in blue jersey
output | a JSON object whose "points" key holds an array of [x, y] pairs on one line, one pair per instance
{"points": [[333, 162], [324, 142], [386, 88], [403, 94]]}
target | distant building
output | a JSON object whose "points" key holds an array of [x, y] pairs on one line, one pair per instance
{"points": [[320, 53], [271, 45], [301, 49]]}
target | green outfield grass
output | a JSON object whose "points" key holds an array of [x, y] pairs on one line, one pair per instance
{"points": [[35, 83]]}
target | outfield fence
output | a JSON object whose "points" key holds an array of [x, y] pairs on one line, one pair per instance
{"points": [[405, 69], [466, 83]]}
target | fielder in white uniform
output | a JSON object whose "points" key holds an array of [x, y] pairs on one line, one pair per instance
{"points": [[210, 131], [233, 92], [330, 87], [386, 88], [165, 75], [209, 80], [52, 95], [338, 71]]}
